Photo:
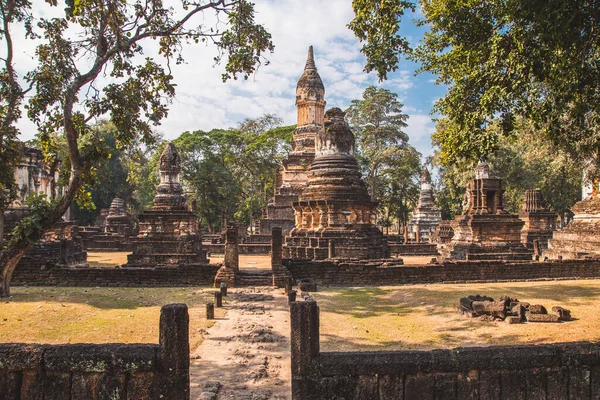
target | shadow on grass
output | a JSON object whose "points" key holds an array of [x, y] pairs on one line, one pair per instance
{"points": [[112, 298]]}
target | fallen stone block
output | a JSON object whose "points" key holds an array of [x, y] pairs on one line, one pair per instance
{"points": [[537, 309], [512, 319], [562, 313], [541, 317]]}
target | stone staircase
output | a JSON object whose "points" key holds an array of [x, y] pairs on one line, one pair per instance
{"points": [[255, 277]]}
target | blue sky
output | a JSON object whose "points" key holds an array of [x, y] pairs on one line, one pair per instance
{"points": [[204, 102]]}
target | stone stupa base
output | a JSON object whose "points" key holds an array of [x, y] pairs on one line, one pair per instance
{"points": [[352, 242], [581, 237]]}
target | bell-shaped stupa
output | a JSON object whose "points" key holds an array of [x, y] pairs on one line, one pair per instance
{"points": [[335, 217]]}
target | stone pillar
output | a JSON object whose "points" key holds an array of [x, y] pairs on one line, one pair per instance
{"points": [[63, 251], [232, 258], [174, 359], [280, 274], [304, 316], [331, 249], [417, 234]]}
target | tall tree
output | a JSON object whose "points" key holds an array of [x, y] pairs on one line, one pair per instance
{"points": [[399, 187], [109, 41], [230, 172], [536, 59], [11, 97], [378, 122]]}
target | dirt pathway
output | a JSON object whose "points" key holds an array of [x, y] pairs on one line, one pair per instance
{"points": [[245, 355]]}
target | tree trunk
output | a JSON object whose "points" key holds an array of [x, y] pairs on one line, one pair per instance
{"points": [[9, 259], [1, 229]]}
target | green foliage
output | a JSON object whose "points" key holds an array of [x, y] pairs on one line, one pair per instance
{"points": [[29, 229], [377, 24], [230, 173], [500, 60], [524, 161], [390, 165], [119, 174]]}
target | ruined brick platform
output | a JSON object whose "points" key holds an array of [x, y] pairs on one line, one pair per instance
{"points": [[485, 231], [581, 237]]}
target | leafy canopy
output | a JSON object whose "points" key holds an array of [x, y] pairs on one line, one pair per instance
{"points": [[499, 59]]}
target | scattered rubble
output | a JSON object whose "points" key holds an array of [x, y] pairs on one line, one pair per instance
{"points": [[510, 309]]}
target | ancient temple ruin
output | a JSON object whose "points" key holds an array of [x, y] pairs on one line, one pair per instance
{"points": [[114, 234], [168, 233], [62, 244], [426, 217], [581, 237], [540, 222], [485, 231], [291, 177], [335, 217]]}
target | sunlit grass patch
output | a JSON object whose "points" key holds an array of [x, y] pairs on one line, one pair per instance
{"points": [[426, 316]]}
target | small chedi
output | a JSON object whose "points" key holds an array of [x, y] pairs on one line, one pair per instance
{"points": [[291, 177], [168, 233], [335, 217], [426, 217], [511, 310], [540, 222], [581, 237], [485, 231], [115, 233]]}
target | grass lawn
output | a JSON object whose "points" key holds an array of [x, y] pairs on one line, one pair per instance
{"points": [[426, 316], [98, 315]]}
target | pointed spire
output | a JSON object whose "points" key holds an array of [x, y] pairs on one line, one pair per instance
{"points": [[310, 60]]}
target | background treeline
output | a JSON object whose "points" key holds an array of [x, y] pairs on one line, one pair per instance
{"points": [[231, 172]]}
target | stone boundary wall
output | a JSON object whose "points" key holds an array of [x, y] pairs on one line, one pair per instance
{"points": [[244, 248], [377, 273], [34, 274], [414, 249], [102, 371], [552, 371]]}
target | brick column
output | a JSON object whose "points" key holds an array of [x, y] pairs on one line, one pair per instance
{"points": [[174, 358], [232, 258], [280, 273], [227, 273], [304, 320]]}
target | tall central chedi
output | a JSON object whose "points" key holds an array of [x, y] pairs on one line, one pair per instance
{"points": [[335, 217], [291, 177], [168, 233]]}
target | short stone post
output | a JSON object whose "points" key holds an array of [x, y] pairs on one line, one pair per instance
{"points": [[210, 311], [418, 235], [174, 361], [223, 288], [304, 321], [219, 299]]}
